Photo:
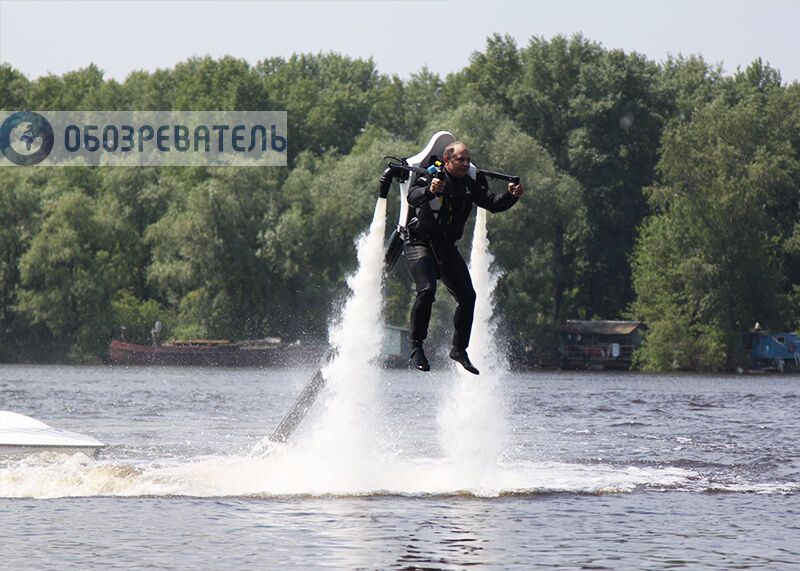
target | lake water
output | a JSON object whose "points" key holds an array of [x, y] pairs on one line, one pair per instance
{"points": [[594, 470]]}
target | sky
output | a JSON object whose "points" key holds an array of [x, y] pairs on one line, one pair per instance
{"points": [[120, 36]]}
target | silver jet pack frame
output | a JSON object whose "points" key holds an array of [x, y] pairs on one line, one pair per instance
{"points": [[406, 173]]}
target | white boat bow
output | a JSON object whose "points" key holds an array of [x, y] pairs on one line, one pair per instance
{"points": [[20, 434]]}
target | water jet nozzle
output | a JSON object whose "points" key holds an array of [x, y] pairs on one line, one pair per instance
{"points": [[399, 171]]}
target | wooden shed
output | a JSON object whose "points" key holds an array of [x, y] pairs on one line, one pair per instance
{"points": [[599, 344]]}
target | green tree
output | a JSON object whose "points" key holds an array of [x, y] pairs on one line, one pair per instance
{"points": [[330, 201], [203, 251], [81, 90], [403, 108], [492, 75], [227, 84], [19, 208], [68, 275], [13, 88], [710, 264], [130, 200], [149, 91], [328, 98], [600, 115], [136, 318], [689, 84]]}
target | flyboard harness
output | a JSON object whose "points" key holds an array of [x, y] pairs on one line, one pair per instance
{"points": [[424, 165]]}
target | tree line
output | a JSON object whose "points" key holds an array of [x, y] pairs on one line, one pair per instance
{"points": [[662, 191]]}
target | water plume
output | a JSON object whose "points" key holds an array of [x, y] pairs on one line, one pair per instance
{"points": [[345, 434], [472, 418]]}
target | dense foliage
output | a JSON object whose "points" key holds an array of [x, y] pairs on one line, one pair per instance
{"points": [[668, 192]]}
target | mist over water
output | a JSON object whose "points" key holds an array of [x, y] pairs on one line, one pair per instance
{"points": [[344, 435], [472, 418]]}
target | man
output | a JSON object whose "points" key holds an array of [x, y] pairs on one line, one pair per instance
{"points": [[441, 208]]}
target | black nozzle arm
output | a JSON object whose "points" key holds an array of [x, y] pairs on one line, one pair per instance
{"points": [[499, 176], [396, 170], [385, 182], [408, 168]]}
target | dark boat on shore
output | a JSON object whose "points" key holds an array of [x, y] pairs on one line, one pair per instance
{"points": [[216, 353]]}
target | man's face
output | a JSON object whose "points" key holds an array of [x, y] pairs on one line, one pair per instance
{"points": [[458, 163]]}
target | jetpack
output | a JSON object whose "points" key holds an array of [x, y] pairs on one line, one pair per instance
{"points": [[406, 172], [427, 163]]}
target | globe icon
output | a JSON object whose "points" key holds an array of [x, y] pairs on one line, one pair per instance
{"points": [[25, 139]]}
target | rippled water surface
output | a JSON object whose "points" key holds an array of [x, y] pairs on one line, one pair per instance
{"points": [[601, 471]]}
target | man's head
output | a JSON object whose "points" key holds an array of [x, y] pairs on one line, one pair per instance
{"points": [[456, 159]]}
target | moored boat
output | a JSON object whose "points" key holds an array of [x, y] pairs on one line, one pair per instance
{"points": [[220, 353]]}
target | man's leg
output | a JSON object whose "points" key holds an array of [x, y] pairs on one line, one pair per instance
{"points": [[422, 266], [456, 278]]}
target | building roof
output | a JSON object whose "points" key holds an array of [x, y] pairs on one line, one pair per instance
{"points": [[601, 327]]}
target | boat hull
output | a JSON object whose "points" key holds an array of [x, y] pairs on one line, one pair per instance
{"points": [[221, 355], [15, 450]]}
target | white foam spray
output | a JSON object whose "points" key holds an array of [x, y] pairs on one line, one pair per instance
{"points": [[343, 440], [472, 417], [287, 474]]}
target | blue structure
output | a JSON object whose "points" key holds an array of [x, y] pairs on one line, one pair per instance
{"points": [[778, 350]]}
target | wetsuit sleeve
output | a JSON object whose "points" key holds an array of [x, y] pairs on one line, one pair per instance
{"points": [[489, 200], [418, 193]]}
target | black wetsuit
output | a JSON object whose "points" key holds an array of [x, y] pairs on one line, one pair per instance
{"points": [[431, 239]]}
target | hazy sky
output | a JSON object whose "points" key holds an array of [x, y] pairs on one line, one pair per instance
{"points": [[40, 37]]}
